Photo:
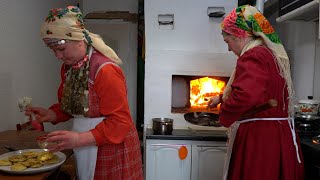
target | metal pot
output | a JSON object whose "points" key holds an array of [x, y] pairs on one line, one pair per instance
{"points": [[162, 126]]}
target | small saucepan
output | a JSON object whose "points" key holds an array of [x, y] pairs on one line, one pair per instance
{"points": [[162, 126], [308, 107]]}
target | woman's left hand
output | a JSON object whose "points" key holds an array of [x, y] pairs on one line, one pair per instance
{"points": [[64, 139], [69, 140]]}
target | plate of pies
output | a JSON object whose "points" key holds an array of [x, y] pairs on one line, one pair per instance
{"points": [[30, 161]]}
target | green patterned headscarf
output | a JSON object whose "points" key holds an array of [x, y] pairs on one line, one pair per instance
{"points": [[246, 21]]}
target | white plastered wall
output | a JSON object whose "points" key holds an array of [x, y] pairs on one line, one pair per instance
{"points": [[27, 67], [299, 38], [120, 35], [300, 41], [316, 81]]}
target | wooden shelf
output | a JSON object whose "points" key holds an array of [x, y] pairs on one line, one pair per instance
{"points": [[113, 15]]}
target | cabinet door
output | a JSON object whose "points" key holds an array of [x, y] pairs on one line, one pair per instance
{"points": [[207, 162], [164, 163]]}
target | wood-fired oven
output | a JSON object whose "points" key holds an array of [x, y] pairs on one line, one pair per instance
{"points": [[183, 43], [192, 93]]}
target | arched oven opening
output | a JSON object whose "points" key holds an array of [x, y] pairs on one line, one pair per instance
{"points": [[191, 94]]}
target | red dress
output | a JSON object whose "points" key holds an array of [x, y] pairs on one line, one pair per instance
{"points": [[119, 152], [263, 150]]}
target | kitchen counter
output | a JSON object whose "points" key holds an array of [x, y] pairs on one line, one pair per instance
{"points": [[311, 157], [213, 135], [307, 142], [190, 134]]}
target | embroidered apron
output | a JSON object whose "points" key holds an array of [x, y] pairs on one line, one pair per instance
{"points": [[232, 132], [86, 156]]}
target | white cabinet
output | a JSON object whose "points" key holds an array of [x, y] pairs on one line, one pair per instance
{"points": [[207, 161], [204, 160], [163, 161]]}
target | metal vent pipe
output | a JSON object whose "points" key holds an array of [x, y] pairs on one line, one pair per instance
{"points": [[260, 5]]}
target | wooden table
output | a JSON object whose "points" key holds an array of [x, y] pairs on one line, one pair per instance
{"points": [[23, 140]]}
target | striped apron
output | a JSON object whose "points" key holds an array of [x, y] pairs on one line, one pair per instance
{"points": [[232, 132]]}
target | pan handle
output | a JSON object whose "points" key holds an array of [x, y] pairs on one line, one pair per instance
{"points": [[264, 106]]}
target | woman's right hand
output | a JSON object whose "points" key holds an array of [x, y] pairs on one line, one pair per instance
{"points": [[213, 102], [41, 115]]}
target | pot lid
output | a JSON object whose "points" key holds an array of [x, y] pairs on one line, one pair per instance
{"points": [[162, 119], [308, 101], [306, 116], [305, 125]]}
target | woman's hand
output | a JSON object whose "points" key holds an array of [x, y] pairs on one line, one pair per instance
{"points": [[40, 114], [213, 102], [69, 140]]}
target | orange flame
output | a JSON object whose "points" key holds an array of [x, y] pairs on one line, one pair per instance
{"points": [[202, 89]]}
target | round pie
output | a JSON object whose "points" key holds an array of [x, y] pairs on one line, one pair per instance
{"points": [[45, 156], [35, 163], [18, 167], [5, 162], [54, 160], [17, 158], [30, 154]]}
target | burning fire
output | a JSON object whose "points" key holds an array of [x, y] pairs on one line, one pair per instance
{"points": [[202, 89]]}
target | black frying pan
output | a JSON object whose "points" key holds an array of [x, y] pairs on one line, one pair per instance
{"points": [[202, 118], [211, 119]]}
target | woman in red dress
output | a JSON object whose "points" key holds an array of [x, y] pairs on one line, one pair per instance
{"points": [[264, 145], [93, 93]]}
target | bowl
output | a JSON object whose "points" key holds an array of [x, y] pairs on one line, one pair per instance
{"points": [[43, 143]]}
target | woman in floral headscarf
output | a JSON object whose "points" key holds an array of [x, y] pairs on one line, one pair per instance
{"points": [[92, 93], [264, 145]]}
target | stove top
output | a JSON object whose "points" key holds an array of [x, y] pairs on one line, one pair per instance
{"points": [[307, 126]]}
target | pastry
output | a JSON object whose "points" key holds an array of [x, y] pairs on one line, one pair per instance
{"points": [[5, 162], [18, 167]]}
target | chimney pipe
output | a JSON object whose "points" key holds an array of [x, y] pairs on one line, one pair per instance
{"points": [[260, 5]]}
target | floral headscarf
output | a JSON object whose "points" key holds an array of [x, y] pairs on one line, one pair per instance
{"points": [[67, 24], [60, 26], [245, 21]]}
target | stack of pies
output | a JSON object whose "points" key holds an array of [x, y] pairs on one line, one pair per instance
{"points": [[29, 159]]}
